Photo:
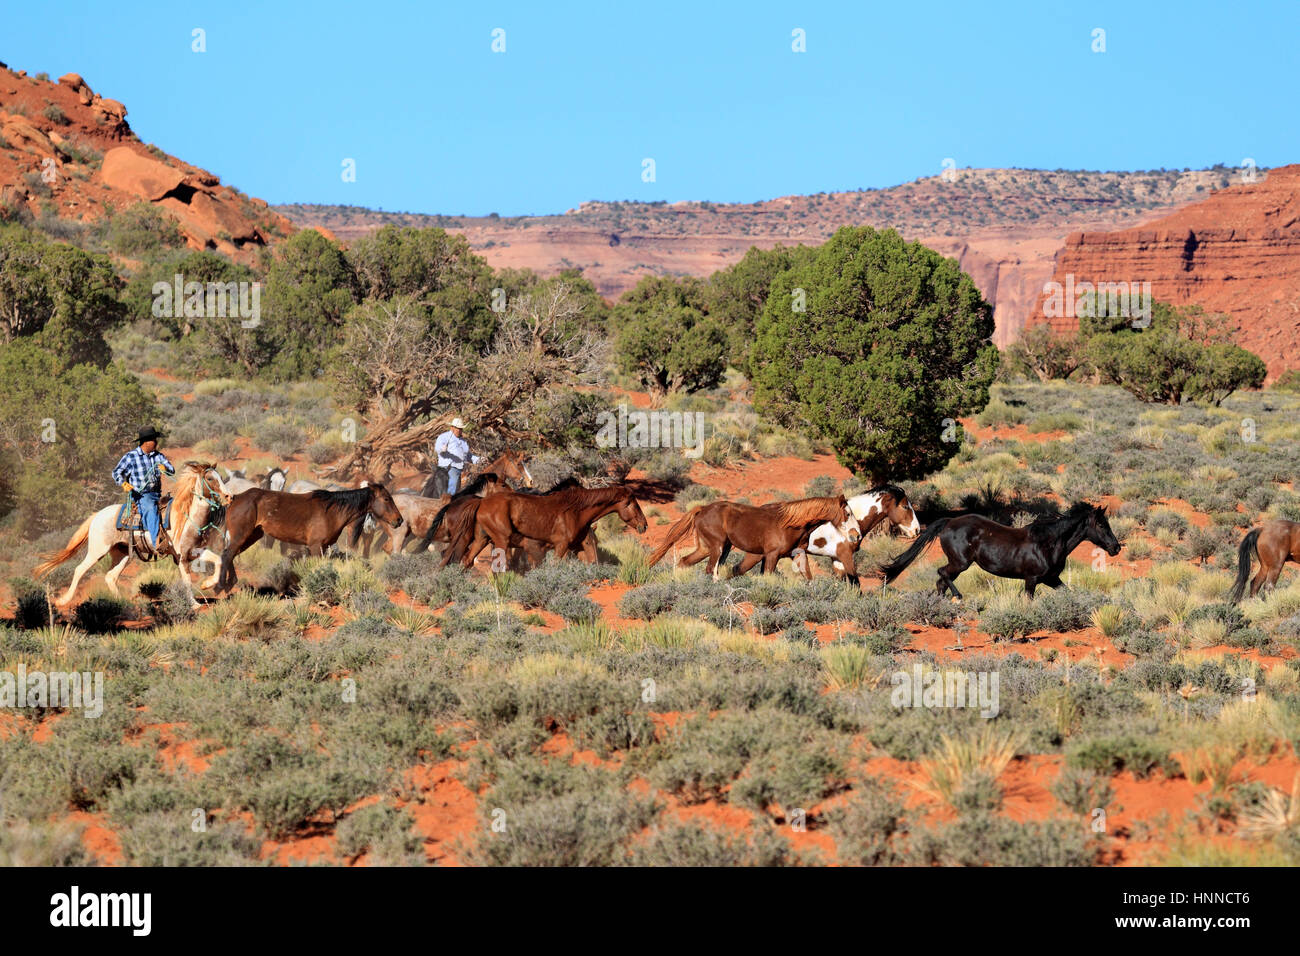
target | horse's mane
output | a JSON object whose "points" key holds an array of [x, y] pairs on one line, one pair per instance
{"points": [[1077, 512], [580, 497], [473, 487], [806, 510], [183, 492], [894, 490], [569, 482], [347, 498]]}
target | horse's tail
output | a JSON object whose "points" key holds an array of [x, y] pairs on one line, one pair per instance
{"points": [[434, 525], [684, 524], [900, 563], [52, 561], [461, 532], [1248, 544]]}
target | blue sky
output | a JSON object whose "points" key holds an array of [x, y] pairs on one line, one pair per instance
{"points": [[437, 122]]}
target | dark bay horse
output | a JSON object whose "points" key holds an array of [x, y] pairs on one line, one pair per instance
{"points": [[1275, 543], [559, 520], [766, 533], [1035, 553], [314, 519]]}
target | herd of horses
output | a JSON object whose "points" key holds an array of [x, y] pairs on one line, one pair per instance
{"points": [[215, 519]]}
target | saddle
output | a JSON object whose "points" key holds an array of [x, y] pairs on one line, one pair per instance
{"points": [[128, 518]]}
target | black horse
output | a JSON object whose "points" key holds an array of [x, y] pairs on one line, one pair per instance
{"points": [[1035, 553]]}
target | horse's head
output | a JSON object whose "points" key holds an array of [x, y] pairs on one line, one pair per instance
{"points": [[382, 505], [1097, 530], [629, 509], [886, 503], [511, 465], [899, 511], [273, 480]]}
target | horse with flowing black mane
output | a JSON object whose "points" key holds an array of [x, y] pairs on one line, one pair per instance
{"points": [[767, 533], [1035, 553], [198, 500], [315, 519], [1274, 543], [559, 520]]}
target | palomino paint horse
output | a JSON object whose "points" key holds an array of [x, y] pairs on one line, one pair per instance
{"points": [[314, 520], [1035, 553], [767, 533], [508, 465], [1275, 543], [559, 520], [197, 501], [882, 503]]}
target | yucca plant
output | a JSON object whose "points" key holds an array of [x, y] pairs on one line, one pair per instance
{"points": [[847, 666], [1108, 619], [959, 758], [1274, 815], [415, 622]]}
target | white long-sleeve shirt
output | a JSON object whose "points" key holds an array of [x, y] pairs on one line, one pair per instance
{"points": [[452, 451]]}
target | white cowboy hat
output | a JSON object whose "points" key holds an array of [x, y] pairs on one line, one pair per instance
{"points": [[457, 423]]}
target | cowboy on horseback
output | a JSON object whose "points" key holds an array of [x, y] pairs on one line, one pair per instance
{"points": [[138, 472], [452, 451]]}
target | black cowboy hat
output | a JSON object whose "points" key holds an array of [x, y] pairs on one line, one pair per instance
{"points": [[149, 433]]}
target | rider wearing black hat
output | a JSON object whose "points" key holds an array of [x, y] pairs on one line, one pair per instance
{"points": [[139, 474]]}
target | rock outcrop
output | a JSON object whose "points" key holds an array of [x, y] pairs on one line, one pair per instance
{"points": [[1237, 252], [67, 152]]}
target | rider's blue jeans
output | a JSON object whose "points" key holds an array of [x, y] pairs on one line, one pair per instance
{"points": [[453, 480], [147, 502]]}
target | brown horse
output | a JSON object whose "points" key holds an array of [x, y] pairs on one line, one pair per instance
{"points": [[507, 465], [315, 519], [419, 512], [1275, 543], [764, 533], [559, 520]]}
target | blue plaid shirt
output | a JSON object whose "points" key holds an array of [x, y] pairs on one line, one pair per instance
{"points": [[142, 470]]}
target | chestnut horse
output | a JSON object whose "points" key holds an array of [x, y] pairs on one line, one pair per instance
{"points": [[315, 520], [1275, 543], [1036, 553], [559, 520], [767, 533]]}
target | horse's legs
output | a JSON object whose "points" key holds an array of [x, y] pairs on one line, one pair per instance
{"points": [[1030, 585], [114, 572], [235, 546], [215, 560], [695, 557], [747, 562], [770, 561], [86, 564], [1262, 577], [948, 578]]}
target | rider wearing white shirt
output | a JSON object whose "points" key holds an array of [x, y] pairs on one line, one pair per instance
{"points": [[453, 454]]}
